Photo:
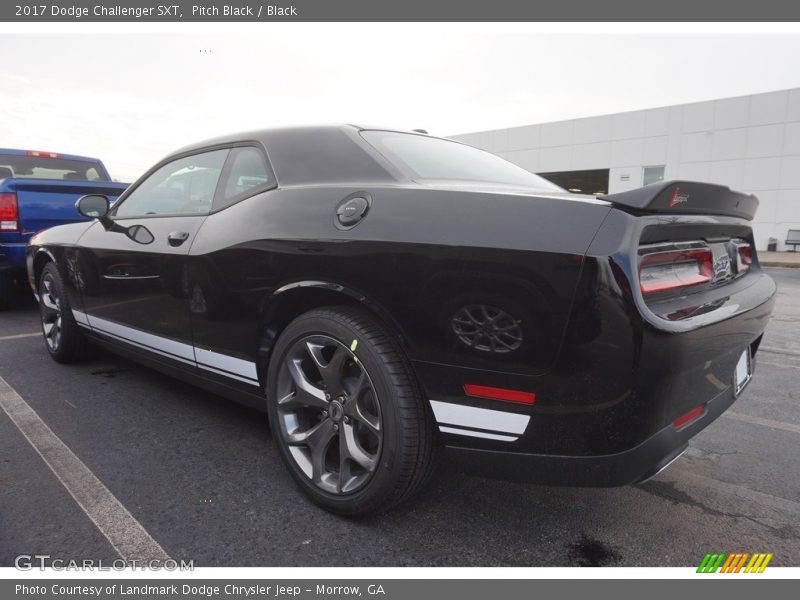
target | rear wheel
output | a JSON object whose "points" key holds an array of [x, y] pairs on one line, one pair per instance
{"points": [[347, 414], [62, 335]]}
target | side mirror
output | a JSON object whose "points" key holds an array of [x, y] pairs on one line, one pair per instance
{"points": [[93, 206], [140, 234]]}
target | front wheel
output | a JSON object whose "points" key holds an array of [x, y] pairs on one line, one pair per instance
{"points": [[347, 414], [62, 335]]}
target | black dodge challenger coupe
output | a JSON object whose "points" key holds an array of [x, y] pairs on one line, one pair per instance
{"points": [[385, 296]]}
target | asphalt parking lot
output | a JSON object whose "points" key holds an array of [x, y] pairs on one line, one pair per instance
{"points": [[201, 477]]}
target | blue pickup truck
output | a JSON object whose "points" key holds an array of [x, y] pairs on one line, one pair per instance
{"points": [[38, 190]]}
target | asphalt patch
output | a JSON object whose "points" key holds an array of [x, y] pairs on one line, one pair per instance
{"points": [[589, 552], [109, 373]]}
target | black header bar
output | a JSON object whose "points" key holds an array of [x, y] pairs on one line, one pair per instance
{"points": [[402, 10]]}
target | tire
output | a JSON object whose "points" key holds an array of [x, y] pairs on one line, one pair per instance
{"points": [[63, 338], [381, 434]]}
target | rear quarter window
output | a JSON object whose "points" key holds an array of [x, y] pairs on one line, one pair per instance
{"points": [[246, 173]]}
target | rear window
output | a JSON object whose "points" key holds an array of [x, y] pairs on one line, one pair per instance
{"points": [[40, 167], [428, 159]]}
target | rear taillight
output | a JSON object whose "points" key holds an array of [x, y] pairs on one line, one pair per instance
{"points": [[744, 257], [9, 216], [674, 269]]}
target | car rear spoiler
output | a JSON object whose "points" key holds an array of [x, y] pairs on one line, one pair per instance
{"points": [[687, 197]]}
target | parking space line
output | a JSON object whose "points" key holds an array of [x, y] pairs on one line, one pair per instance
{"points": [[781, 365], [20, 336], [776, 503], [769, 350], [120, 528], [764, 422]]}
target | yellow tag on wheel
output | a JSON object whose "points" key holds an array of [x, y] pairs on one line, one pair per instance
{"points": [[353, 346]]}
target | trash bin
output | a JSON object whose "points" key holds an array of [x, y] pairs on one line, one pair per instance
{"points": [[772, 245]]}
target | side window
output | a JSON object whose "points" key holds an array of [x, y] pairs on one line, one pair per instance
{"points": [[247, 173], [182, 187]]}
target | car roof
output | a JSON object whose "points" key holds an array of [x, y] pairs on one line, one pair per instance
{"points": [[310, 155], [264, 135]]}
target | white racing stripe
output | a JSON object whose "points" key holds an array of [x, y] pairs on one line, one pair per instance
{"points": [[478, 434], [179, 349], [222, 364], [495, 421], [120, 528], [80, 317]]}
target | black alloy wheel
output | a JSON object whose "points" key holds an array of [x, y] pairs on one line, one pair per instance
{"points": [[62, 335], [347, 413], [329, 414]]}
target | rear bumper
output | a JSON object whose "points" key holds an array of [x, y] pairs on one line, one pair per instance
{"points": [[609, 470], [603, 417], [12, 256]]}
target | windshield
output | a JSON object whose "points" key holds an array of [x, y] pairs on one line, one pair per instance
{"points": [[429, 159], [40, 167]]}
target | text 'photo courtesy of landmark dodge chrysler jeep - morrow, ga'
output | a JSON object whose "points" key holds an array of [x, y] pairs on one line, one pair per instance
{"points": [[387, 296]]}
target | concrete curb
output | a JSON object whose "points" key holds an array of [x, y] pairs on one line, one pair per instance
{"points": [[789, 260], [785, 265]]}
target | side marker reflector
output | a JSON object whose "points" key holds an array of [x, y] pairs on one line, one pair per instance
{"points": [[493, 393], [689, 417]]}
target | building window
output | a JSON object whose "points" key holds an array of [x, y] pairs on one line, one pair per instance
{"points": [[581, 182], [653, 175]]}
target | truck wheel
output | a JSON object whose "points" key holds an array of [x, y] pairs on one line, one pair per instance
{"points": [[62, 335], [347, 414]]}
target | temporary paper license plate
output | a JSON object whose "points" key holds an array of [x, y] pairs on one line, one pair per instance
{"points": [[744, 371]]}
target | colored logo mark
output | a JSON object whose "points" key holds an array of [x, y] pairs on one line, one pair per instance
{"points": [[678, 197], [734, 562]]}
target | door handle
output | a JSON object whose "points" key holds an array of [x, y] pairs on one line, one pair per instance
{"points": [[176, 238]]}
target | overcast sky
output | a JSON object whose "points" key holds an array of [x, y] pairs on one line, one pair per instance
{"points": [[132, 98]]}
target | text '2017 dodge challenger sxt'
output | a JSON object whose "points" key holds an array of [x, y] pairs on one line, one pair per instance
{"points": [[385, 294]]}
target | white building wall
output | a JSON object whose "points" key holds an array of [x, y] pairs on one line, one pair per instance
{"points": [[750, 143]]}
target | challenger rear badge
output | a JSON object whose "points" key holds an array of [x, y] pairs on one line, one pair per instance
{"points": [[722, 267], [678, 198]]}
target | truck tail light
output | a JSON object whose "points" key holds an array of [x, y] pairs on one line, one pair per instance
{"points": [[744, 257], [9, 215], [40, 154], [675, 269]]}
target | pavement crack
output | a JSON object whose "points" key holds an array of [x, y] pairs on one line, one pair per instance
{"points": [[668, 491]]}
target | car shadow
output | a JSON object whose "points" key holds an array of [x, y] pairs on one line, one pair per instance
{"points": [[21, 300]]}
